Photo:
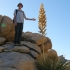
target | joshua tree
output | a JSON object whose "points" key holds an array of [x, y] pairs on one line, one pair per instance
{"points": [[42, 22]]}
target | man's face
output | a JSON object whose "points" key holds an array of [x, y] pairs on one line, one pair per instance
{"points": [[20, 6]]}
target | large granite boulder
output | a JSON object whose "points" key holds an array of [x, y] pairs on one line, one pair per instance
{"points": [[16, 61], [7, 28], [2, 40], [36, 38]]}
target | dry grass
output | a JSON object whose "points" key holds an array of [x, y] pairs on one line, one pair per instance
{"points": [[48, 64]]}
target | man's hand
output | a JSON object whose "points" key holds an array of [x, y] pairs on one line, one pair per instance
{"points": [[33, 19]]}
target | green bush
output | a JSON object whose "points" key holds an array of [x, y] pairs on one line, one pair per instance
{"points": [[49, 64]]}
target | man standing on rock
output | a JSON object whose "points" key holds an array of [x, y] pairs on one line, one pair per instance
{"points": [[19, 16]]}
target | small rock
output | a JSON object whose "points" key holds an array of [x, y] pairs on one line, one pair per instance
{"points": [[34, 54], [1, 49], [22, 49], [52, 54], [26, 35]]}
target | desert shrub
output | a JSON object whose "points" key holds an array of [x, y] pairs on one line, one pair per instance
{"points": [[49, 64]]}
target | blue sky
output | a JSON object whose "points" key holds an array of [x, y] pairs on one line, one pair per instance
{"points": [[58, 20]]}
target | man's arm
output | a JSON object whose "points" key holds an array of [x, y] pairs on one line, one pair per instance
{"points": [[28, 18]]}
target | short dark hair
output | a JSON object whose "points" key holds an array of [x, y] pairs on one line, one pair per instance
{"points": [[20, 4]]}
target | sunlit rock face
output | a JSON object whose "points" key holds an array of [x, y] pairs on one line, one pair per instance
{"points": [[6, 28]]}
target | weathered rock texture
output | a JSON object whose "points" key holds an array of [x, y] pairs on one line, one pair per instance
{"points": [[16, 61], [34, 38], [31, 46], [38, 40], [7, 28]]}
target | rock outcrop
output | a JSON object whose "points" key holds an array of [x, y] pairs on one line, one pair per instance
{"points": [[38, 40], [34, 38], [27, 47], [21, 57], [18, 57]]}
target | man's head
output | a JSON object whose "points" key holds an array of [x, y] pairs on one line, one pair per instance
{"points": [[20, 5]]}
